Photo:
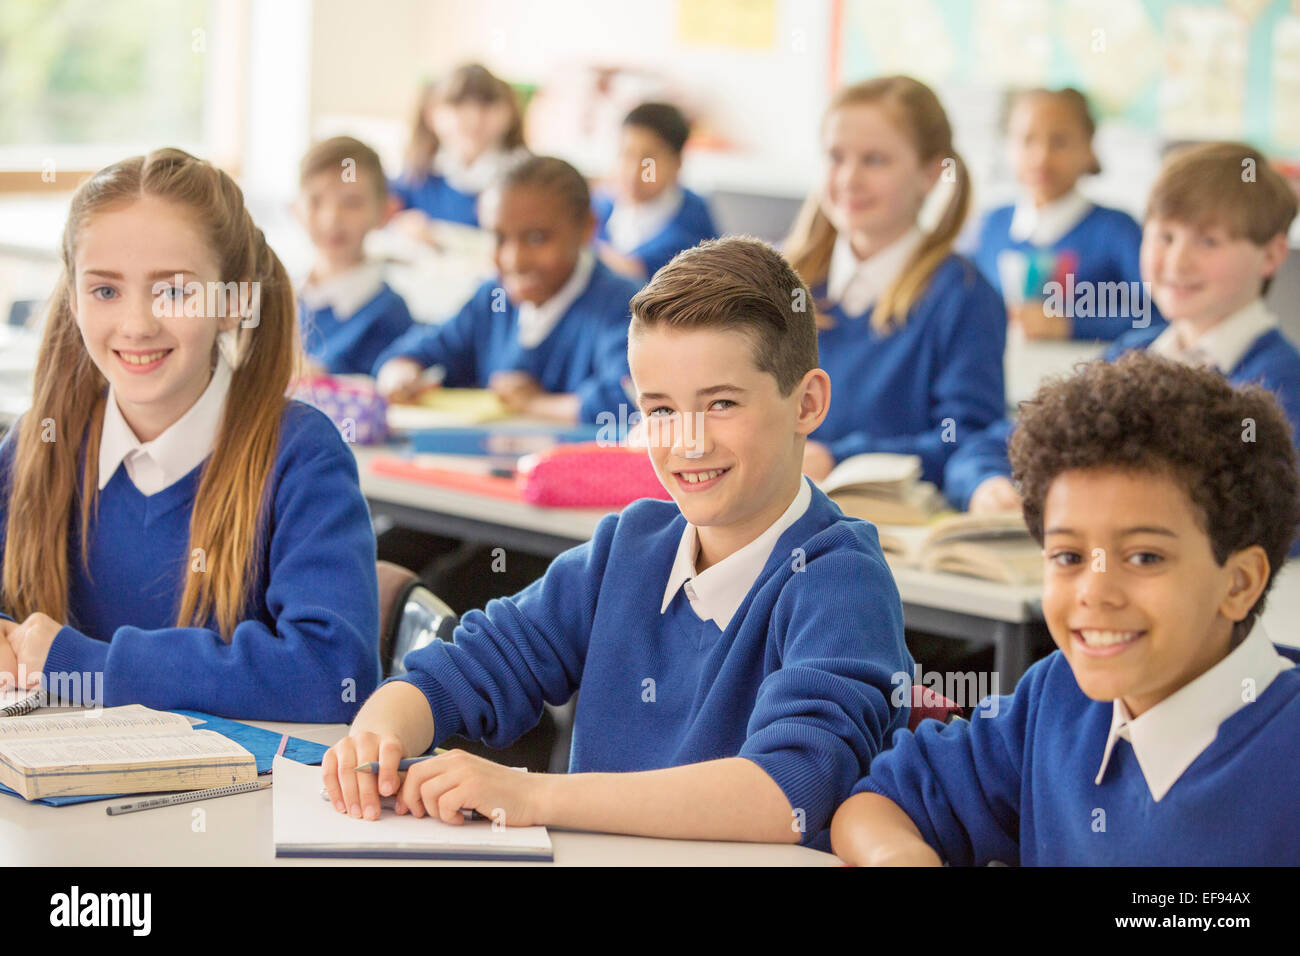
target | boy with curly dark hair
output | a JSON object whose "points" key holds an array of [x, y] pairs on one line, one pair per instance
{"points": [[1163, 732]]}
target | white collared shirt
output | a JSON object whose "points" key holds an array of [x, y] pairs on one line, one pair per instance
{"points": [[717, 592], [1044, 225], [631, 225], [158, 464], [1224, 344], [856, 283], [345, 292], [474, 178], [1169, 737], [537, 321]]}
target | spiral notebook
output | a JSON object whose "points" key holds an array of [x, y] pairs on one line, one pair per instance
{"points": [[15, 702]]}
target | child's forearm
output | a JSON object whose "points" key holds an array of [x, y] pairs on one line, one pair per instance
{"points": [[871, 830], [401, 709], [728, 799], [558, 407]]}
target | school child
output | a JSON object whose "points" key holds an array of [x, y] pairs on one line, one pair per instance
{"points": [[170, 520], [1162, 732], [735, 647], [549, 333], [1210, 248], [651, 217], [347, 313], [911, 334], [1053, 233], [467, 131]]}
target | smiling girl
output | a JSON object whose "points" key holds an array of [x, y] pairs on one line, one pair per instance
{"points": [[169, 518], [911, 335]]}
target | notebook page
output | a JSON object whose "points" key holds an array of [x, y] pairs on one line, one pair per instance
{"points": [[302, 818]]}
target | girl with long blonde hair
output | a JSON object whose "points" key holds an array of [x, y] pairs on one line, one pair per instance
{"points": [[170, 521], [911, 334]]}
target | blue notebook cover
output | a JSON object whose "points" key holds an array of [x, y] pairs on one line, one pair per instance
{"points": [[262, 744], [500, 442]]}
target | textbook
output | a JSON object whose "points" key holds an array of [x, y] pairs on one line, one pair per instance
{"points": [[447, 408], [884, 488], [307, 825], [995, 547], [115, 750]]}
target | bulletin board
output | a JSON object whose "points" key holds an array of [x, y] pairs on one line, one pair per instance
{"points": [[1188, 69]]}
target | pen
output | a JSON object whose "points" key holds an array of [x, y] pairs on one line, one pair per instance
{"points": [[175, 798], [405, 764]]}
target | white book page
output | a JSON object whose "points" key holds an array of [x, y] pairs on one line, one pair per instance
{"points": [[58, 752], [304, 818], [131, 721]]}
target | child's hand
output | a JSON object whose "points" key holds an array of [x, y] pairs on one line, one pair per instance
{"points": [[8, 659], [399, 380], [903, 853], [443, 785], [416, 224], [625, 265], [357, 794], [1037, 323], [516, 389], [818, 462], [993, 495], [30, 642]]}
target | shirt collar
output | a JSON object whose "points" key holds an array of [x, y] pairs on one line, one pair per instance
{"points": [[1224, 344], [717, 593], [537, 321], [345, 292], [478, 175], [158, 464], [631, 225], [856, 283], [1045, 225], [1169, 737]]}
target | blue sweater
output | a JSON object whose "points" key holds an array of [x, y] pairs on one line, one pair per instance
{"points": [[1105, 243], [307, 647], [800, 681], [691, 226], [920, 389], [350, 347], [585, 354], [1271, 361], [435, 198], [1019, 786]]}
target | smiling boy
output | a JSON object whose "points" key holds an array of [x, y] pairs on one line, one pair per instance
{"points": [[734, 648], [1163, 732], [1215, 234]]}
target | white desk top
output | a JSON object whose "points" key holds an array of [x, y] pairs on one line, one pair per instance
{"points": [[237, 832]]}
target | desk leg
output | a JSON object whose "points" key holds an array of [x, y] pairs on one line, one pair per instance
{"points": [[1010, 653]]}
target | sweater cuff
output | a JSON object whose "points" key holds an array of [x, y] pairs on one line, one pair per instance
{"points": [[74, 653], [807, 786], [447, 721]]}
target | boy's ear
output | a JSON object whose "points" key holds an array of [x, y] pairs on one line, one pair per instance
{"points": [[392, 206], [814, 400], [1275, 253], [1250, 573]]}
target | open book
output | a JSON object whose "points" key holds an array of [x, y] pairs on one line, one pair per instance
{"points": [[116, 750], [996, 547], [307, 825], [448, 408], [883, 488]]}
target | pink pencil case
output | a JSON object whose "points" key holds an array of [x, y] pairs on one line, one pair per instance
{"points": [[352, 404], [588, 475]]}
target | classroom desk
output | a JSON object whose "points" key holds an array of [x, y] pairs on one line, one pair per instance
{"points": [[238, 832], [949, 605]]}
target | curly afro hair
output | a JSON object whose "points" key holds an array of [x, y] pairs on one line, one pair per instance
{"points": [[1230, 448]]}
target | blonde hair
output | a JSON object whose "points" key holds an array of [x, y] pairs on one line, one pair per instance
{"points": [[918, 112], [468, 83], [227, 521]]}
